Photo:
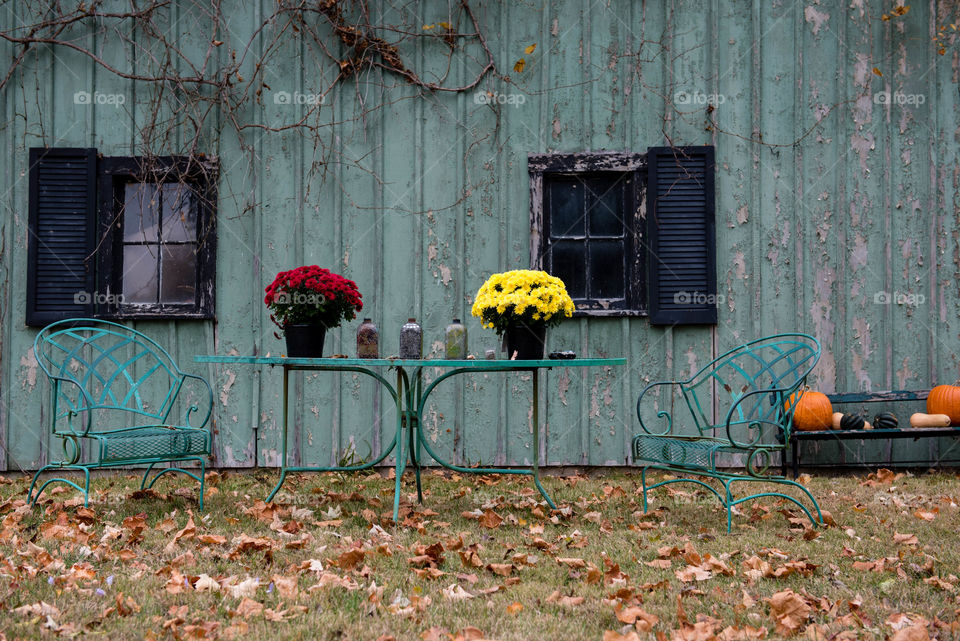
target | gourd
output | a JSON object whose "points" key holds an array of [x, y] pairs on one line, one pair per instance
{"points": [[945, 399], [837, 417], [929, 420], [812, 412], [885, 421], [852, 422]]}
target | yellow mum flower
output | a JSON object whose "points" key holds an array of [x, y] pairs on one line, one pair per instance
{"points": [[522, 295]]}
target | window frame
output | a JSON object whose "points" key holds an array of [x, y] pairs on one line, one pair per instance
{"points": [[113, 173], [581, 165]]}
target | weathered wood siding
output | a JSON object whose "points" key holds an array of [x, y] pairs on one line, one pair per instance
{"points": [[846, 197]]}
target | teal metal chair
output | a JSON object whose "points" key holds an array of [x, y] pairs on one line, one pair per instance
{"points": [[752, 392], [114, 392]]}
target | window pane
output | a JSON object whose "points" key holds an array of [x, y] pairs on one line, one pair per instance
{"points": [[566, 208], [179, 216], [567, 264], [179, 274], [605, 198], [606, 269], [139, 274], [140, 204]]}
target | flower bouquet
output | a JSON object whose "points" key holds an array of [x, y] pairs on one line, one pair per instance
{"points": [[521, 304], [307, 301]]}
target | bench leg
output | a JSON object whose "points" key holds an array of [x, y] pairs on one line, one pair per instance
{"points": [[795, 455]]}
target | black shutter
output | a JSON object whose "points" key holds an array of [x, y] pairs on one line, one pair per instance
{"points": [[680, 229], [60, 272]]}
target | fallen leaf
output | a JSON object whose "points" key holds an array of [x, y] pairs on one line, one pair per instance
{"points": [[912, 633], [490, 519], [905, 539], [248, 608], [519, 65], [204, 584], [789, 611], [455, 593], [530, 49], [572, 562], [286, 586]]}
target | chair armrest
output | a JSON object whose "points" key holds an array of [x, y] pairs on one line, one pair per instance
{"points": [[196, 408], [757, 422], [662, 414], [70, 412]]}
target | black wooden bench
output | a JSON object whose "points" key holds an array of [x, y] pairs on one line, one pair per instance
{"points": [[895, 396]]}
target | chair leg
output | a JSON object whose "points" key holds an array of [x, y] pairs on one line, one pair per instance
{"points": [[143, 483], [200, 479], [643, 482], [85, 490], [729, 505], [816, 522]]}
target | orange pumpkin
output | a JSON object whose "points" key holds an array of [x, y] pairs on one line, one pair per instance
{"points": [[945, 399], [813, 411]]}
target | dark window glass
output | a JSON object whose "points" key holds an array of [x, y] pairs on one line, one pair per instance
{"points": [[589, 231], [159, 264]]}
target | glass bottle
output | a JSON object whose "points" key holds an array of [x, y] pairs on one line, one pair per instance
{"points": [[411, 340], [368, 340], [455, 340]]}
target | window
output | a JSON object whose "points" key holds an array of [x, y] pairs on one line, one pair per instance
{"points": [[120, 237], [630, 234]]}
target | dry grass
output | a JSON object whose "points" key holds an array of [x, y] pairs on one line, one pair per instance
{"points": [[316, 566]]}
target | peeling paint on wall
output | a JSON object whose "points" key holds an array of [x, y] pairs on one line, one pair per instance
{"points": [[225, 390], [28, 368], [815, 18]]}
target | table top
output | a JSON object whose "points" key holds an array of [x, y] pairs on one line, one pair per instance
{"points": [[478, 364]]}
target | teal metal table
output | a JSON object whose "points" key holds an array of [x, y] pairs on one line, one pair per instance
{"points": [[410, 398]]}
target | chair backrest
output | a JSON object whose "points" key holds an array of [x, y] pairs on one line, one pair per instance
{"points": [[113, 368], [776, 364]]}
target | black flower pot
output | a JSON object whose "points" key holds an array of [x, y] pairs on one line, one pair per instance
{"points": [[305, 341], [527, 341]]}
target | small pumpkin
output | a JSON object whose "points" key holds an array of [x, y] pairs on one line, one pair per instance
{"points": [[885, 421], [852, 422], [929, 420], [813, 411], [945, 399]]}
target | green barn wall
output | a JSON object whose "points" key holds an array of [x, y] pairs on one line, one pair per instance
{"points": [[846, 197]]}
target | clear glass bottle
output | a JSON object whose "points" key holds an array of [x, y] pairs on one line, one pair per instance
{"points": [[368, 340], [455, 340], [411, 340]]}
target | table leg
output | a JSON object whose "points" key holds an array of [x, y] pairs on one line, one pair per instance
{"points": [[401, 458], [416, 434], [534, 471], [283, 437], [536, 439]]}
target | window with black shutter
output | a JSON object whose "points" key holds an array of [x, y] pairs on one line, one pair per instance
{"points": [[120, 237], [629, 234]]}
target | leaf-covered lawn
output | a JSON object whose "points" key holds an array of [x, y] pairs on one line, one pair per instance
{"points": [[483, 557]]}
